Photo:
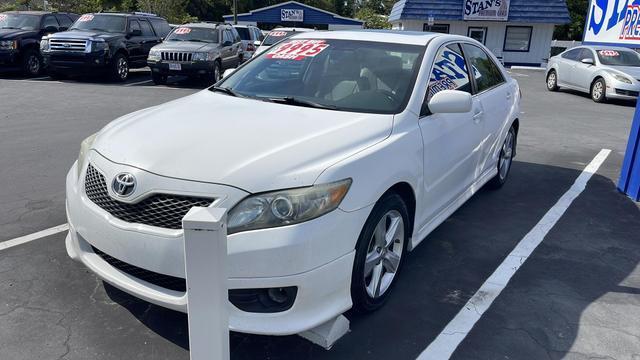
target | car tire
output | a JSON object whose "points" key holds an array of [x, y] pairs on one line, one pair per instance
{"points": [[505, 159], [216, 75], [32, 63], [378, 261], [599, 91], [552, 81], [119, 68], [159, 79]]}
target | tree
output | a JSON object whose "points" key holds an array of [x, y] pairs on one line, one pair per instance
{"points": [[573, 30], [372, 20], [173, 10]]}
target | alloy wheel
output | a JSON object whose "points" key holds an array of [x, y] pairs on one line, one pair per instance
{"points": [[33, 65], [551, 80], [506, 156], [598, 90], [123, 68], [384, 254]]}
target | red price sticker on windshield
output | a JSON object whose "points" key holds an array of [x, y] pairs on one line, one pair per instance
{"points": [[297, 50], [609, 53], [182, 31], [277, 33], [86, 17], [3, 17]]}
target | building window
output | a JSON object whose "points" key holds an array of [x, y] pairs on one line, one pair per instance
{"points": [[518, 38], [477, 33], [436, 28]]}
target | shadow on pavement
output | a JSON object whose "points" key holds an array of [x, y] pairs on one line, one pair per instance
{"points": [[587, 255]]}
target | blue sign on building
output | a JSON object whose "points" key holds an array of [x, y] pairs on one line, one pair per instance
{"points": [[295, 14]]}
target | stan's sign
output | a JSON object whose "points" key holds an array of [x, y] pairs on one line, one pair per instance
{"points": [[292, 15], [486, 10], [614, 22]]}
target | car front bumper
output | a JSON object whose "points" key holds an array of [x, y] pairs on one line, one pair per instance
{"points": [[199, 68], [621, 90], [75, 62], [9, 59], [316, 257]]}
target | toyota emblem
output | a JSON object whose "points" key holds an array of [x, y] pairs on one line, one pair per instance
{"points": [[124, 184]]}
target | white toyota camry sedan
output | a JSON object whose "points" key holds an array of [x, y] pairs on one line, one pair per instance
{"points": [[336, 154]]}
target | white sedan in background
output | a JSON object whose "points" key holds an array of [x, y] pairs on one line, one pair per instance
{"points": [[336, 154], [604, 72]]}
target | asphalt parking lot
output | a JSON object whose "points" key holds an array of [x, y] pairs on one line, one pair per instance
{"points": [[577, 296]]}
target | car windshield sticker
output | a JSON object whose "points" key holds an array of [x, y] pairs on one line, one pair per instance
{"points": [[3, 17], [277, 33], [297, 49], [609, 53], [85, 18], [182, 31]]}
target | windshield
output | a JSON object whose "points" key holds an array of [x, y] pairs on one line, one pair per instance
{"points": [[97, 22], [19, 21], [194, 34], [244, 33], [347, 75], [276, 35], [618, 57]]}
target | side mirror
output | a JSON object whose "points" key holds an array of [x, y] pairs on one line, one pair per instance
{"points": [[228, 72], [450, 102], [136, 32], [587, 61], [50, 29], [257, 43]]}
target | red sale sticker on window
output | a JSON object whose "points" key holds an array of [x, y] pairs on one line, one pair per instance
{"points": [[277, 33], [182, 31], [3, 17], [297, 50], [85, 17], [609, 53]]}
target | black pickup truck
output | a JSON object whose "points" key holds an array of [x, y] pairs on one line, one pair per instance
{"points": [[20, 34], [104, 42]]}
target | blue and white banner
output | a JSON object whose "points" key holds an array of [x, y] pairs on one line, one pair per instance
{"points": [[492, 10], [613, 22]]}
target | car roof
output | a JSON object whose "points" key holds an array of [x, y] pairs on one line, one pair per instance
{"points": [[292, 29], [203, 24], [601, 47], [28, 12], [392, 36]]}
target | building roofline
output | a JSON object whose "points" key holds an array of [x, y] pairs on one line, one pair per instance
{"points": [[251, 12]]}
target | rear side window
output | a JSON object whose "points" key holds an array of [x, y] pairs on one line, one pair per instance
{"points": [[146, 28], [244, 33], [572, 54], [486, 72], [161, 27], [449, 72]]}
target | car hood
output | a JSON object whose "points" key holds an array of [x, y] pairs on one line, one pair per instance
{"points": [[253, 145], [82, 34], [629, 70], [9, 34], [188, 46]]}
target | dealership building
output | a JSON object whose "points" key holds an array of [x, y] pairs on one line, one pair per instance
{"points": [[519, 32], [295, 14]]}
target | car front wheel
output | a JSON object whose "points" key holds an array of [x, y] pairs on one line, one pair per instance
{"points": [[598, 91], [32, 63], [120, 68], [552, 81], [379, 253]]}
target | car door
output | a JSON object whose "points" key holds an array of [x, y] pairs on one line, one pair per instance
{"points": [[566, 64], [493, 98], [134, 42], [581, 74], [227, 49], [452, 142], [149, 38]]}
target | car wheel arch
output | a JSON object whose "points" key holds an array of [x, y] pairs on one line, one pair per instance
{"points": [[408, 195]]}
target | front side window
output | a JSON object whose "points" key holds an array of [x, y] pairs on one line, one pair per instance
{"points": [[161, 27], [134, 26], [50, 21], [99, 22], [196, 34], [64, 20], [146, 28], [486, 72], [346, 75], [517, 38], [449, 72], [586, 54], [19, 21], [618, 57]]}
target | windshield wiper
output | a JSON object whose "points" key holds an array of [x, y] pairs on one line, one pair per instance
{"points": [[10, 27], [197, 40], [225, 90], [290, 100]]}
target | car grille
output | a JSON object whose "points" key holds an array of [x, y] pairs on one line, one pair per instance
{"points": [[176, 56], [165, 281], [161, 210], [68, 45]]}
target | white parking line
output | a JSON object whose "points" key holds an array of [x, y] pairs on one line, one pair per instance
{"points": [[454, 333], [138, 83], [35, 236]]}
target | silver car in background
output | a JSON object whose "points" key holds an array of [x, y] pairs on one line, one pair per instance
{"points": [[604, 72]]}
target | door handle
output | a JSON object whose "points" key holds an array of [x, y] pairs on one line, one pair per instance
{"points": [[508, 96], [477, 117]]}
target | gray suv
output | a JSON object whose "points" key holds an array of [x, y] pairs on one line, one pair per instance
{"points": [[202, 50]]}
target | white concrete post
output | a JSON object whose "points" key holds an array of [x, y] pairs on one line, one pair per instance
{"points": [[205, 259]]}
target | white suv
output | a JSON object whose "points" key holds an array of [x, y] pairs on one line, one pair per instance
{"points": [[336, 153]]}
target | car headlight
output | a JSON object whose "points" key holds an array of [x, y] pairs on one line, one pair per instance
{"points": [[85, 146], [203, 56], [97, 46], [286, 207], [44, 45], [154, 55], [9, 44], [621, 78]]}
